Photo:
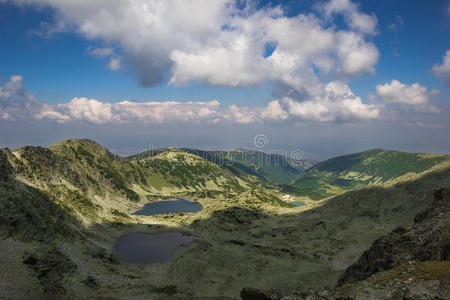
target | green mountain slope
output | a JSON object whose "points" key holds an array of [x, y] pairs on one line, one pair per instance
{"points": [[273, 167], [358, 170], [85, 180], [216, 157], [177, 169], [166, 171]]}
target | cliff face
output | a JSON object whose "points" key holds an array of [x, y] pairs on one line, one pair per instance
{"points": [[427, 240]]}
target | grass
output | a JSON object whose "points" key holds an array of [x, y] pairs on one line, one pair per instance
{"points": [[355, 171], [429, 270], [275, 168]]}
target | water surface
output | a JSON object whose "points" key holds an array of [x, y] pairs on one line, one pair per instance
{"points": [[150, 247], [298, 203], [169, 207]]}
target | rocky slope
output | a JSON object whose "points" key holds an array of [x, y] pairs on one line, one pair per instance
{"points": [[408, 263], [413, 261]]}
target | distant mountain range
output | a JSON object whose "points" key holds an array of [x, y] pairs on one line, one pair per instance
{"points": [[273, 167], [317, 180]]}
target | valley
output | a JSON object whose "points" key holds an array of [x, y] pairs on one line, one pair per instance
{"points": [[63, 209]]}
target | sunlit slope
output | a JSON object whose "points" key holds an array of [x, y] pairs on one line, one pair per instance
{"points": [[274, 167], [167, 170], [87, 182], [182, 170], [79, 177], [358, 170]]}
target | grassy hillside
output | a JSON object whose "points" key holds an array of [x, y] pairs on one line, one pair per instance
{"points": [[62, 209], [86, 180], [166, 171], [354, 171], [78, 182], [275, 168], [177, 169]]}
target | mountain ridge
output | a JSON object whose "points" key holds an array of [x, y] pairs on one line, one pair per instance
{"points": [[352, 171], [272, 167]]}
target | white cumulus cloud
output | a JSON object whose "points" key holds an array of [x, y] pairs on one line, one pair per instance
{"points": [[94, 111], [217, 43], [356, 55], [336, 103], [15, 101], [414, 95], [443, 69], [397, 92]]}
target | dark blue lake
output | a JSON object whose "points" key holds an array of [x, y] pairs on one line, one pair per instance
{"points": [[298, 203], [169, 207], [144, 248]]}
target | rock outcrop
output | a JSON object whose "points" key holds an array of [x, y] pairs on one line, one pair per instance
{"points": [[427, 240]]}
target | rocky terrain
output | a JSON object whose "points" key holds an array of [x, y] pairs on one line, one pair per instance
{"points": [[411, 262], [63, 207], [407, 263], [427, 240]]}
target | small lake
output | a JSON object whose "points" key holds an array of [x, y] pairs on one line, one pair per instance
{"points": [[144, 248], [169, 207], [298, 203]]}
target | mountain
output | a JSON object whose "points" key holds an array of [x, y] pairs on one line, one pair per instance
{"points": [[337, 175], [167, 171], [274, 167], [62, 209], [88, 181], [27, 212], [216, 157], [178, 169], [302, 164]]}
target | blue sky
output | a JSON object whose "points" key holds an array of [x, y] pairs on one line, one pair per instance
{"points": [[358, 69], [57, 69]]}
